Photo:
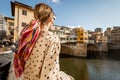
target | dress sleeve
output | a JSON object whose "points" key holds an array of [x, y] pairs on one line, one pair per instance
{"points": [[50, 59]]}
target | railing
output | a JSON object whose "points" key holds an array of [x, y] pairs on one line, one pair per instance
{"points": [[68, 41]]}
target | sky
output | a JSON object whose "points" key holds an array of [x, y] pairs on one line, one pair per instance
{"points": [[89, 14]]}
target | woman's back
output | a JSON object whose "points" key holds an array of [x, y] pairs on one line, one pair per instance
{"points": [[40, 62], [43, 64]]}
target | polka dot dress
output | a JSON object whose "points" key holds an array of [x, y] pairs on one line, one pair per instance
{"points": [[43, 63]]}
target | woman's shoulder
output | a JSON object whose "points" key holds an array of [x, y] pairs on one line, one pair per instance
{"points": [[52, 37]]}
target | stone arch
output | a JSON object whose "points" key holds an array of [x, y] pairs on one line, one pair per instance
{"points": [[91, 47], [66, 50]]}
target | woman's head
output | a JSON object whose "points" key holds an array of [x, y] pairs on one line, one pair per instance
{"points": [[43, 13]]}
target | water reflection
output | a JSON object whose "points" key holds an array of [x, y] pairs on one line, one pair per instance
{"points": [[91, 69], [103, 69], [75, 67]]}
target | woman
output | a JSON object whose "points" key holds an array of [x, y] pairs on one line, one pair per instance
{"points": [[37, 57]]}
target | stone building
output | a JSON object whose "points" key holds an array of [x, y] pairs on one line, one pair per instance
{"points": [[115, 38], [2, 22], [10, 27], [66, 34], [91, 39], [107, 33], [115, 34], [98, 30], [6, 25], [3, 27], [97, 35]]}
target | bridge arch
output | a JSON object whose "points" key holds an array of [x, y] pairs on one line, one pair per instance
{"points": [[91, 47], [66, 49]]}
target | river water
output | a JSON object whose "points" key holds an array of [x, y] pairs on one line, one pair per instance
{"points": [[92, 68]]}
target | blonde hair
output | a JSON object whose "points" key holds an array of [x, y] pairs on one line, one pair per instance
{"points": [[42, 13]]}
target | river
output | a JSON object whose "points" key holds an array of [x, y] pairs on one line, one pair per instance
{"points": [[92, 68]]}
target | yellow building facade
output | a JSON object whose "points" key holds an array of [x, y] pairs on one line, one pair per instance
{"points": [[82, 35], [23, 15]]}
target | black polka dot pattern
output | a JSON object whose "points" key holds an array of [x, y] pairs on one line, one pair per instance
{"points": [[43, 63]]}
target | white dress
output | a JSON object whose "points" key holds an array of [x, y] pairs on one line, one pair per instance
{"points": [[43, 63]]}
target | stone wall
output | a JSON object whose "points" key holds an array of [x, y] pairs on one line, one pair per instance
{"points": [[77, 49], [80, 49], [102, 47]]}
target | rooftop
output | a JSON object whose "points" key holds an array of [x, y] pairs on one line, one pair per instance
{"points": [[9, 18], [19, 4]]}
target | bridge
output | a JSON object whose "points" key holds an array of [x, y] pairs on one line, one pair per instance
{"points": [[80, 49]]}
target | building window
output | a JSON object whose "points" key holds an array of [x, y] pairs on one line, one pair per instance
{"points": [[75, 38], [81, 38], [24, 12], [55, 28], [61, 33], [23, 24], [1, 21], [1, 27], [11, 24], [61, 39], [67, 38], [86, 39]]}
